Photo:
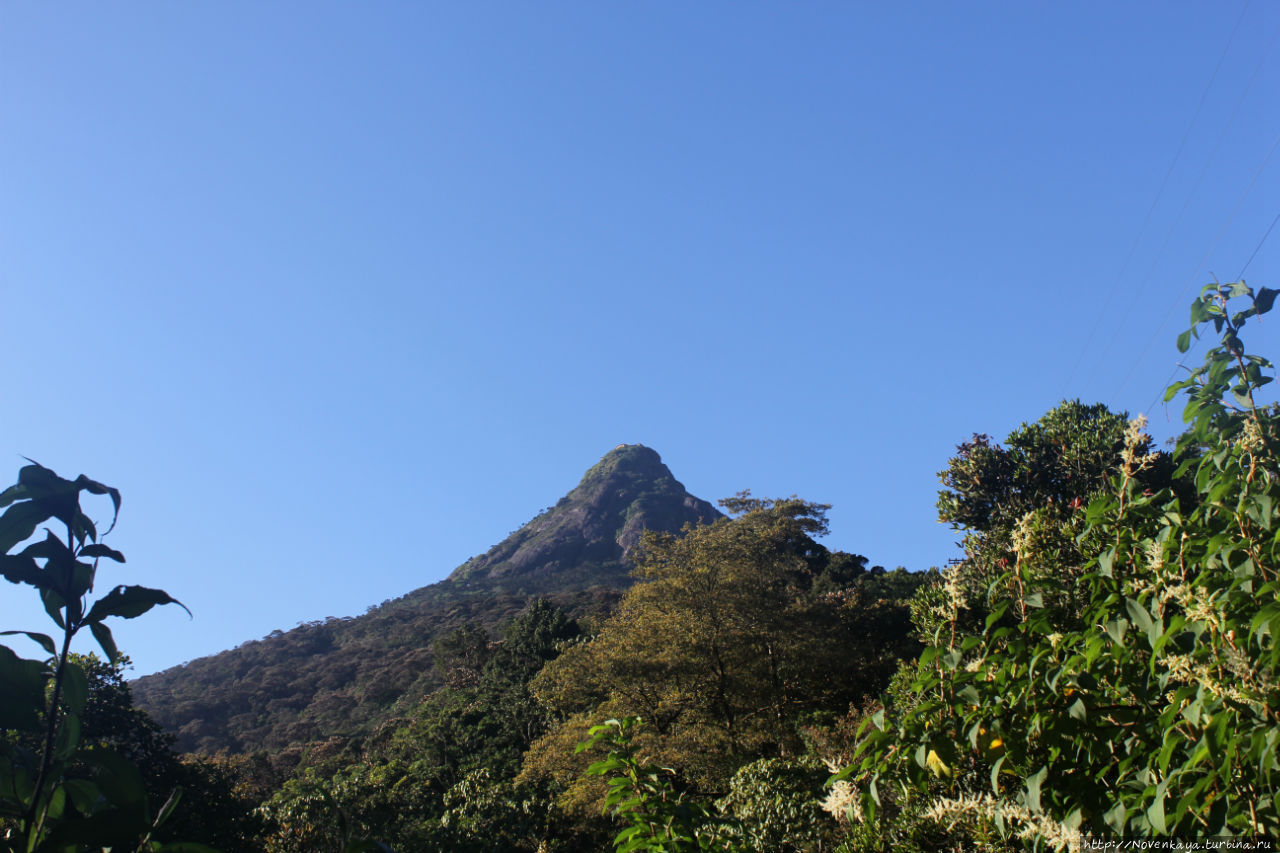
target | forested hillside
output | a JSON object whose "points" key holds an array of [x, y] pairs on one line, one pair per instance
{"points": [[339, 677]]}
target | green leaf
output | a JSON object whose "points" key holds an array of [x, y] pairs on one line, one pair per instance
{"points": [[1139, 614], [53, 604], [15, 492], [1184, 341], [1077, 710], [107, 828], [19, 569], [129, 602], [68, 737], [95, 488], [22, 699], [117, 778], [1155, 812], [1264, 299], [1199, 311], [168, 807], [99, 550], [1033, 789], [102, 634], [57, 803], [1115, 817], [84, 795], [75, 687], [19, 522], [45, 641]]}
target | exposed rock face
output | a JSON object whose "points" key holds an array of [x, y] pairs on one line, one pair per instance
{"points": [[588, 535]]}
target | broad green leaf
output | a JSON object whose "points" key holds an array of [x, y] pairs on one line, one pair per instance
{"points": [[96, 488], [75, 687], [18, 569], [22, 699], [1033, 789], [117, 778], [68, 739], [15, 492], [1155, 812], [102, 634], [108, 828], [53, 604], [56, 804], [19, 522], [168, 807], [1264, 299], [98, 550], [130, 602], [84, 795], [1139, 614], [44, 640]]}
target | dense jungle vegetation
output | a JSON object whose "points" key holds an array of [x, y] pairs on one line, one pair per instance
{"points": [[1102, 662]]}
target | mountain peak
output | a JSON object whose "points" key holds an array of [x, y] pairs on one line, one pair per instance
{"points": [[303, 684], [587, 537]]}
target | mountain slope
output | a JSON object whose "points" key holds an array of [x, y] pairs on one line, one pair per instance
{"points": [[343, 676]]}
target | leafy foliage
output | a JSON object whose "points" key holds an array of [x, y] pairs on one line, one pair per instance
{"points": [[1150, 707]]}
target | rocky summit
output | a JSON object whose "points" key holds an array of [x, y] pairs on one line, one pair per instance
{"points": [[587, 537]]}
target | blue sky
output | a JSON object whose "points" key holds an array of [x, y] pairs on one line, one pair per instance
{"points": [[340, 294]]}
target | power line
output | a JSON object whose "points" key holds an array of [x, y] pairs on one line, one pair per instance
{"points": [[1257, 248], [1222, 136], [1204, 96]]}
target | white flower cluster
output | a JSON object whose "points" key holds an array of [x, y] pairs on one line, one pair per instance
{"points": [[1027, 826], [843, 800]]}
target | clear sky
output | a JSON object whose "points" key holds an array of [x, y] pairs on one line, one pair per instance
{"points": [[340, 294]]}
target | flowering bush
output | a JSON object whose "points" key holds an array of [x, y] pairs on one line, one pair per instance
{"points": [[1152, 706]]}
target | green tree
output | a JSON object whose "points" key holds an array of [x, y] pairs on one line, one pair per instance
{"points": [[1034, 485], [734, 632]]}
